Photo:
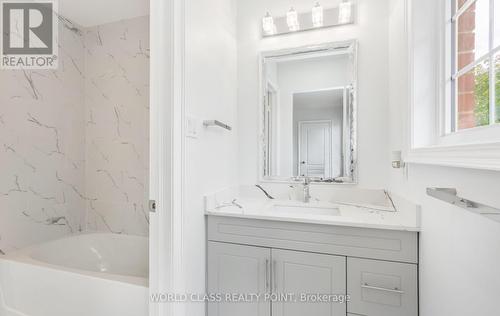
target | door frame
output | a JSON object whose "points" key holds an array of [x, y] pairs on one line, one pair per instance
{"points": [[167, 120], [299, 137]]}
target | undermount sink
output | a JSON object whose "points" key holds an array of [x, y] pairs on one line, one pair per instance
{"points": [[304, 210]]}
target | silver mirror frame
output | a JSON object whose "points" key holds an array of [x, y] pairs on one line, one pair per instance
{"points": [[351, 151]]}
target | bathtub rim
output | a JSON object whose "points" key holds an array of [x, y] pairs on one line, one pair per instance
{"points": [[23, 256]]}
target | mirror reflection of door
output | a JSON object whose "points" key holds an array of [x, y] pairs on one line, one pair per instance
{"points": [[315, 149], [313, 88], [318, 120]]}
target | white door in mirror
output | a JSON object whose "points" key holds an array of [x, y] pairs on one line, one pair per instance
{"points": [[315, 149]]}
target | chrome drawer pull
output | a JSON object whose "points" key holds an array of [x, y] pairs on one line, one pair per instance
{"points": [[396, 290]]}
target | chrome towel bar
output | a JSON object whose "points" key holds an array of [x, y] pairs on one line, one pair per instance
{"points": [[449, 195], [217, 123]]}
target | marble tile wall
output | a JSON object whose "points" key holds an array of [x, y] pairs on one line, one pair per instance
{"points": [[42, 142], [117, 126], [74, 141]]}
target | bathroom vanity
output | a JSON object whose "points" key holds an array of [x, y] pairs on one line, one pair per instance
{"points": [[308, 247], [292, 248]]}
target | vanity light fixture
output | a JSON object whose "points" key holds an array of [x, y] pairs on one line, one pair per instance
{"points": [[317, 15], [268, 25], [292, 19], [345, 12]]}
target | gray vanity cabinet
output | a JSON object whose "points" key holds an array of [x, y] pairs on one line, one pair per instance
{"points": [[239, 269], [376, 268], [234, 269]]}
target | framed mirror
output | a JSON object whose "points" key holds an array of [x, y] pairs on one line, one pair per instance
{"points": [[308, 114]]}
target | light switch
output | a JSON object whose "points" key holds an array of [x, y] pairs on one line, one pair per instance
{"points": [[192, 127]]}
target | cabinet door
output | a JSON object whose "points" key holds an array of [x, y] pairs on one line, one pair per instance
{"points": [[380, 288], [301, 273], [237, 269]]}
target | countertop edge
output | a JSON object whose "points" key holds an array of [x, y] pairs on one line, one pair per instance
{"points": [[413, 229]]}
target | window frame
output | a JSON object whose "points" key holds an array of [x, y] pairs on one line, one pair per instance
{"points": [[452, 73], [428, 142]]}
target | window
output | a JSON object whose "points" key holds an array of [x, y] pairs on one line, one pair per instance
{"points": [[475, 65], [454, 83]]}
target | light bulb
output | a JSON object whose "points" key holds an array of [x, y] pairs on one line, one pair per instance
{"points": [[345, 12], [317, 15], [268, 24], [292, 19]]}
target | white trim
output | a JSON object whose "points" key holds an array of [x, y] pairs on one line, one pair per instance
{"points": [[410, 75], [438, 68], [491, 53], [273, 107], [473, 156], [308, 55], [445, 68], [167, 153], [335, 88], [448, 114], [462, 9], [473, 65], [492, 70]]}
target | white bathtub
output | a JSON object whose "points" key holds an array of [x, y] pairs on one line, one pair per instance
{"points": [[83, 275]]}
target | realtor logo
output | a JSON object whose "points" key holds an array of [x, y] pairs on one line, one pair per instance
{"points": [[29, 34]]}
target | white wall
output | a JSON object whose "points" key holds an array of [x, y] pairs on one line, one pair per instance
{"points": [[212, 160], [459, 255], [371, 30]]}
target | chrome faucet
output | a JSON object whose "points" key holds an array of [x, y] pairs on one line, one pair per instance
{"points": [[307, 193], [265, 192]]}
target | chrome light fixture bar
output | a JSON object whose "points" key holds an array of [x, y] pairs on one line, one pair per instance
{"points": [[317, 18]]}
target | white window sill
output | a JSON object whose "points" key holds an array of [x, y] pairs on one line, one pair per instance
{"points": [[485, 156]]}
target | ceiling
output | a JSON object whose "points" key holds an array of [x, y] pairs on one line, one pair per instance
{"points": [[88, 13], [318, 99]]}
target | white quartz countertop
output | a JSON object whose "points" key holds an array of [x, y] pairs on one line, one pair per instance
{"points": [[404, 218]]}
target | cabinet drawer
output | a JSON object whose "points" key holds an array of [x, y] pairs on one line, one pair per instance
{"points": [[380, 288]]}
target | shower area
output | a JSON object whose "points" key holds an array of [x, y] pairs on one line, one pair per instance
{"points": [[74, 168]]}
